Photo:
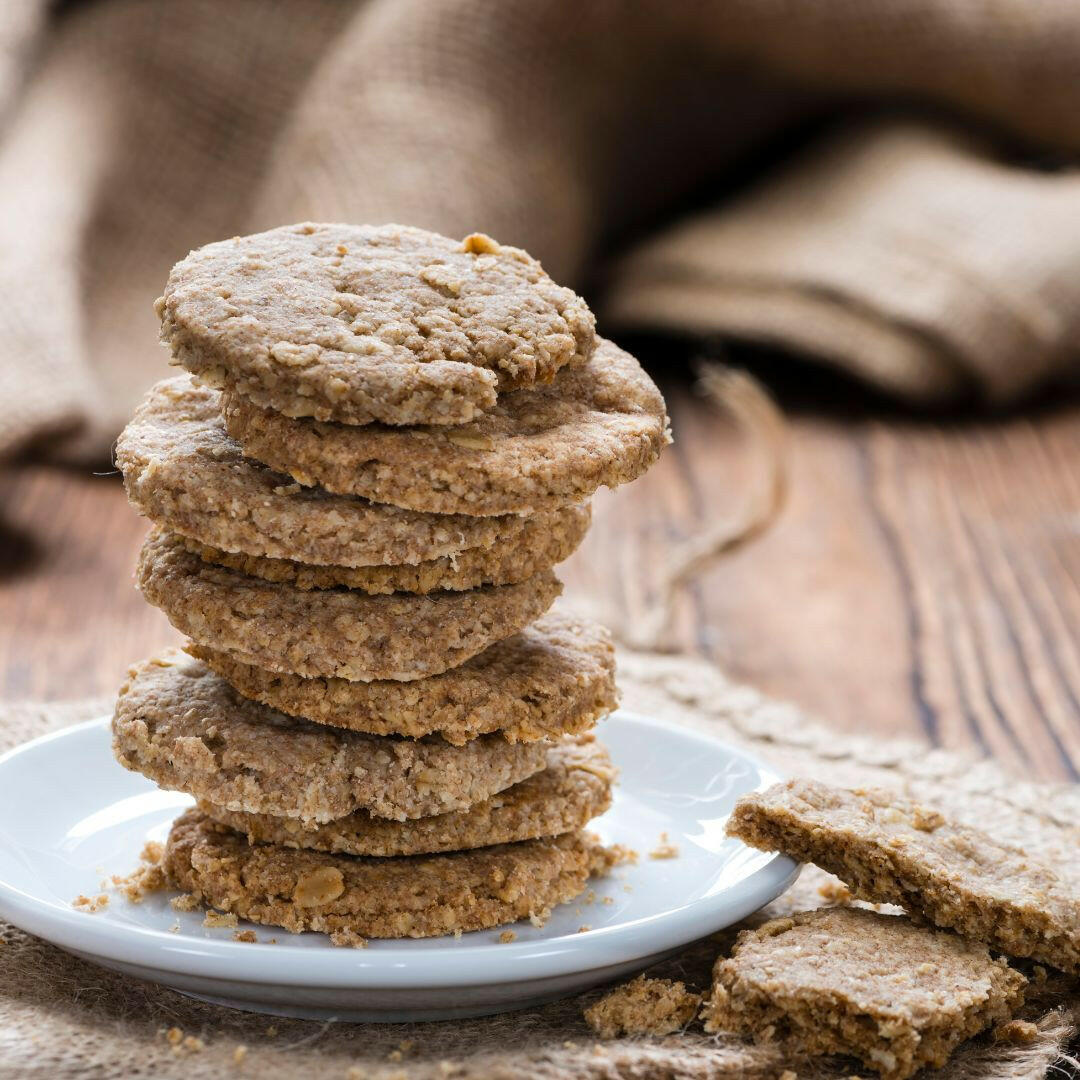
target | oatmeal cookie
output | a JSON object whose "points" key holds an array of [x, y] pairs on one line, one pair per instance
{"points": [[361, 323], [574, 788], [182, 470], [849, 981], [186, 729], [555, 677], [887, 849], [344, 633], [547, 540], [410, 896], [601, 424]]}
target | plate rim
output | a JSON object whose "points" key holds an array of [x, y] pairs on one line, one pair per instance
{"points": [[467, 965]]}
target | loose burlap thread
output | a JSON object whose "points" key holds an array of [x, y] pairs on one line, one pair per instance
{"points": [[63, 1018], [922, 254]]}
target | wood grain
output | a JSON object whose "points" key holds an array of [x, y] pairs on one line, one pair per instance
{"points": [[923, 580]]}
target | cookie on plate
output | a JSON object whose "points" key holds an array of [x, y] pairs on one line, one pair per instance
{"points": [[555, 677], [603, 423], [182, 470], [410, 896], [573, 788], [849, 981], [187, 730], [357, 323], [344, 633]]}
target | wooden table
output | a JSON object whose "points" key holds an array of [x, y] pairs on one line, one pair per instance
{"points": [[923, 579]]}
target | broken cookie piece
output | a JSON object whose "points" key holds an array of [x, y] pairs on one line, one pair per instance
{"points": [[849, 981], [888, 849], [643, 1007]]}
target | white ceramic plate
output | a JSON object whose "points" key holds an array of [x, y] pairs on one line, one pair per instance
{"points": [[69, 816]]}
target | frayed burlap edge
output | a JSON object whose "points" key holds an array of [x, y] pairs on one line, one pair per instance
{"points": [[61, 1018]]}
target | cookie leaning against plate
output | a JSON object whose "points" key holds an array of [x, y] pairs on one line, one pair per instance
{"points": [[186, 729], [346, 633], [574, 788], [356, 323], [411, 896], [555, 677], [182, 470], [600, 424], [544, 543]]}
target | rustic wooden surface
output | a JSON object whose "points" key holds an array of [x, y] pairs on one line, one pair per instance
{"points": [[923, 579]]}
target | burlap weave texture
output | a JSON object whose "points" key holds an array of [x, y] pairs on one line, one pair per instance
{"points": [[61, 1018], [932, 260]]}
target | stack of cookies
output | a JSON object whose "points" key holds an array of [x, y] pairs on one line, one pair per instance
{"points": [[386, 442]]}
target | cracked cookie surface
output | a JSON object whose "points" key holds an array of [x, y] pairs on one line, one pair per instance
{"points": [[555, 677], [409, 896], [603, 423], [362, 323], [186, 729], [573, 788], [888, 849], [344, 633], [182, 470]]}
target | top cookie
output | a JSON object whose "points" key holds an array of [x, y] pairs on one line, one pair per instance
{"points": [[362, 323]]}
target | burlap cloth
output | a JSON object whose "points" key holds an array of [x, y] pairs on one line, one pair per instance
{"points": [[60, 1017], [930, 250]]}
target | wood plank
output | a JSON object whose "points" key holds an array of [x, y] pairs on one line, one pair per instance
{"points": [[923, 579]]}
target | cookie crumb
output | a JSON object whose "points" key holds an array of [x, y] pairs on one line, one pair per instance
{"points": [[584, 928], [148, 877], [394, 1055], [836, 892], [356, 1073], [184, 902], [90, 904], [247, 936], [506, 937], [643, 1007], [539, 919], [238, 1055], [457, 933], [1015, 1033], [348, 939], [787, 1074], [665, 849], [220, 918], [621, 855]]}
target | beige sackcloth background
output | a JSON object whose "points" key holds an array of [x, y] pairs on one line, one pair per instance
{"points": [[61, 1018], [925, 238], [931, 248]]}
